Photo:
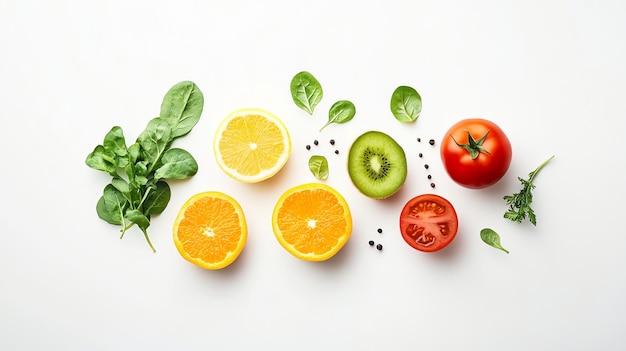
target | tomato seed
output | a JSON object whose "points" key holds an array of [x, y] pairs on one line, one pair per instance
{"points": [[431, 141], [379, 247], [371, 242]]}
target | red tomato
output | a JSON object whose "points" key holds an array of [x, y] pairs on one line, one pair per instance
{"points": [[428, 222], [476, 153]]}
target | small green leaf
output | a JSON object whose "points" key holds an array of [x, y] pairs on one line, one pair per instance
{"points": [[154, 140], [319, 166], [112, 205], [176, 164], [115, 143], [182, 107], [306, 91], [100, 160], [406, 104], [157, 199], [341, 112], [492, 238]]}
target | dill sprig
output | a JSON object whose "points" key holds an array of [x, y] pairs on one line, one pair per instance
{"points": [[519, 203]]}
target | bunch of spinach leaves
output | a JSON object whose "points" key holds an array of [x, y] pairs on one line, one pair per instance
{"points": [[138, 189]]}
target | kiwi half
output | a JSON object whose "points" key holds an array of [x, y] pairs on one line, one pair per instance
{"points": [[377, 165]]}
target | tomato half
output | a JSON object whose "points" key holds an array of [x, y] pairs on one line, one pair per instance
{"points": [[428, 222], [476, 153]]}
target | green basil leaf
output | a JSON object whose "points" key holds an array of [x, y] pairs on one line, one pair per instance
{"points": [[491, 238], [154, 140], [101, 160], [181, 107], [176, 164], [340, 112], [112, 205], [406, 104], [306, 91], [157, 199], [319, 166]]}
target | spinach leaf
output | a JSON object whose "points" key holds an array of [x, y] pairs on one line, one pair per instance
{"points": [[154, 140], [340, 112], [319, 166], [491, 238], [99, 159], [182, 107], [406, 104], [111, 206], [115, 144], [306, 91], [157, 199], [176, 164], [142, 221]]}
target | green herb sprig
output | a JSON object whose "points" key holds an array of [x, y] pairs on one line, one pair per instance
{"points": [[138, 189], [519, 203]]}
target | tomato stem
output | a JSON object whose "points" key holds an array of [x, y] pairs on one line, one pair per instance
{"points": [[474, 147]]}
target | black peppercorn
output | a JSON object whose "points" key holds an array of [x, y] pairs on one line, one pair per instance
{"points": [[337, 152], [308, 147], [379, 230], [379, 247], [426, 166], [430, 177], [432, 185], [419, 140], [431, 141], [420, 154], [316, 142], [371, 242], [332, 141]]}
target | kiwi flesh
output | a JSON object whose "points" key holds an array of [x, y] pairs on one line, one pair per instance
{"points": [[377, 165]]}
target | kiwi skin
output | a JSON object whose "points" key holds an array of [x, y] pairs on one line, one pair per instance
{"points": [[377, 165]]}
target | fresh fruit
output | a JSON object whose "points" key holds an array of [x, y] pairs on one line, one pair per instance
{"points": [[312, 221], [476, 153], [251, 145], [210, 230], [428, 222], [377, 165]]}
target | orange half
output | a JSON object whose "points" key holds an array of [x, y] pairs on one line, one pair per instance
{"points": [[312, 221], [210, 230]]}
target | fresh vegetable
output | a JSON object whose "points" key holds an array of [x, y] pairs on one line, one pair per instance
{"points": [[491, 238], [341, 111], [519, 203], [138, 189], [319, 166], [428, 222], [476, 153], [406, 104], [306, 91]]}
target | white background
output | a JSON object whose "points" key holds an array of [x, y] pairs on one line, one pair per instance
{"points": [[550, 73]]}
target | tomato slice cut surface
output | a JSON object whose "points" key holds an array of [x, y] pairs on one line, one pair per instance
{"points": [[428, 222]]}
